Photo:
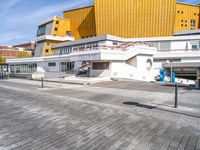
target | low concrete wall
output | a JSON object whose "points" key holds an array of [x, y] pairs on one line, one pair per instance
{"points": [[29, 76], [21, 75]]}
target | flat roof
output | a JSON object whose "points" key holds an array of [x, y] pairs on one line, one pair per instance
{"points": [[184, 3], [50, 20], [126, 40], [187, 32], [182, 65]]}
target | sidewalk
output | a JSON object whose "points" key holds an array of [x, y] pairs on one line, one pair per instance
{"points": [[150, 104], [76, 80]]}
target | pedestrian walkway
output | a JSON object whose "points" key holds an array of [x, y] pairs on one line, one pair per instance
{"points": [[36, 120]]}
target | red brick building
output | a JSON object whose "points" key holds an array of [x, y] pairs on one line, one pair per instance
{"points": [[8, 52], [30, 46]]}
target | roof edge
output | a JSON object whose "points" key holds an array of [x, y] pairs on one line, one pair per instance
{"points": [[196, 5], [78, 8]]}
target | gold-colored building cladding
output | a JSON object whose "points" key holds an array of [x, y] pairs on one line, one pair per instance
{"points": [[122, 18], [187, 17], [82, 22], [135, 18]]}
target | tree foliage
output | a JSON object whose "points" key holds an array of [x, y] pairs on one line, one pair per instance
{"points": [[2, 60], [23, 55]]}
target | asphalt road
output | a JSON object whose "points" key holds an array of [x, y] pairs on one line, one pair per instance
{"points": [[48, 120], [139, 85]]}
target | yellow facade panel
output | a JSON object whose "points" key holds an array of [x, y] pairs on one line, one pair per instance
{"points": [[47, 49], [60, 27], [184, 15], [135, 18], [82, 22]]}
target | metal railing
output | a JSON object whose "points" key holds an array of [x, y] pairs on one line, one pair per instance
{"points": [[178, 50], [122, 47]]}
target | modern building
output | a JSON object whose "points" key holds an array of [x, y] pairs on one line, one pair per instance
{"points": [[130, 39], [115, 57], [52, 31], [122, 18], [106, 56]]}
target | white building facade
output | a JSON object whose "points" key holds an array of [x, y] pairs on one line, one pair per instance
{"points": [[114, 57]]}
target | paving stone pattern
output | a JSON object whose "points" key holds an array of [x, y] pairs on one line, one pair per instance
{"points": [[36, 121]]}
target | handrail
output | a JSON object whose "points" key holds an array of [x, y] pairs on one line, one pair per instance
{"points": [[122, 47], [178, 50]]}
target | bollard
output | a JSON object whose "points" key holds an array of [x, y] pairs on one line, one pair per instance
{"points": [[176, 96], [42, 82]]}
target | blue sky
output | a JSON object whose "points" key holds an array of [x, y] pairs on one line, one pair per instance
{"points": [[19, 18]]}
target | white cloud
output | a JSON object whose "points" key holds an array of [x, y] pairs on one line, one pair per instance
{"points": [[10, 37]]}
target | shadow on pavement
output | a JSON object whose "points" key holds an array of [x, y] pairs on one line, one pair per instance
{"points": [[182, 86], [162, 109], [139, 105]]}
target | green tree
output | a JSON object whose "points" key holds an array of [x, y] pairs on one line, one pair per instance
{"points": [[23, 55], [2, 60]]}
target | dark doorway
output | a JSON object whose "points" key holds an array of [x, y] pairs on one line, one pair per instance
{"points": [[4, 71]]}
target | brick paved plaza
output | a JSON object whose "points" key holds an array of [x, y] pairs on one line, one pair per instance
{"points": [[102, 116]]}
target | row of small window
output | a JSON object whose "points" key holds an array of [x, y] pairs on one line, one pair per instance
{"points": [[195, 14], [66, 50], [68, 33], [192, 23], [65, 66], [83, 37], [69, 49]]}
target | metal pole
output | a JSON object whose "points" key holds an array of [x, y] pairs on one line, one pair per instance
{"points": [[42, 82], [8, 70], [176, 96], [2, 72], [171, 71], [60, 68]]}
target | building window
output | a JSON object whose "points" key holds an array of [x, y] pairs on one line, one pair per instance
{"points": [[181, 25], [179, 11], [194, 47], [69, 33], [185, 20], [52, 64], [67, 66], [57, 22], [195, 14], [41, 30], [181, 20], [149, 64], [115, 43], [23, 68], [56, 29], [182, 12], [193, 23], [83, 37], [100, 66], [47, 50], [186, 25]]}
